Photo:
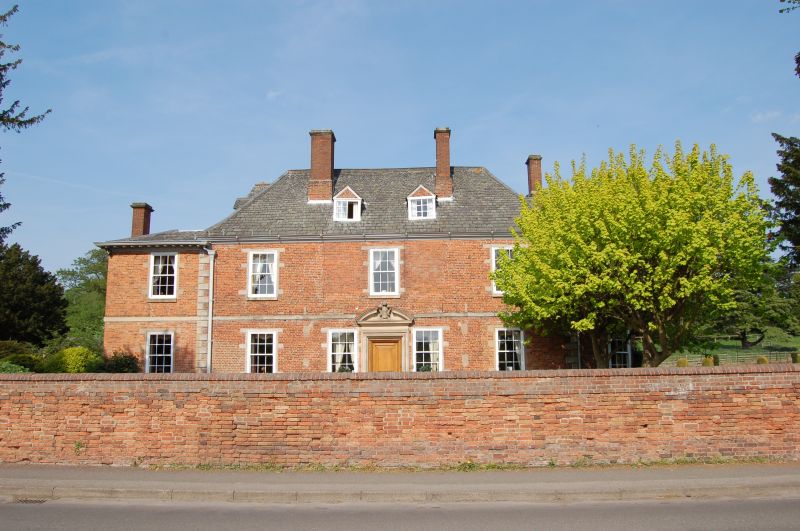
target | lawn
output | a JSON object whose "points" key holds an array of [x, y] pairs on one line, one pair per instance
{"points": [[730, 352]]}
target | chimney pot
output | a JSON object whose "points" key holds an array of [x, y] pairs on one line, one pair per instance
{"points": [[534, 164], [320, 183], [444, 180], [140, 225]]}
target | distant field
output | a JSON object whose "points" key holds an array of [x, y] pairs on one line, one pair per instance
{"points": [[731, 352]]}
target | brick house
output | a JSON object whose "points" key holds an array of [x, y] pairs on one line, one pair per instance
{"points": [[329, 270]]}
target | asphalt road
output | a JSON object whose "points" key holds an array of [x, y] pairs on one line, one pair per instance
{"points": [[765, 514]]}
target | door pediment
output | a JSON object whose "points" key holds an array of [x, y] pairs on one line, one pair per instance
{"points": [[385, 315]]}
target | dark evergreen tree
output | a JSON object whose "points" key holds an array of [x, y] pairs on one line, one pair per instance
{"points": [[32, 304], [12, 118], [786, 189], [769, 309]]}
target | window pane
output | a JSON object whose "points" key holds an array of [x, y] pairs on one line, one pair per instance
{"points": [[342, 350], [509, 350], [262, 353], [159, 353], [426, 350], [345, 209], [421, 207], [341, 210], [163, 275], [262, 274], [384, 272], [497, 253]]}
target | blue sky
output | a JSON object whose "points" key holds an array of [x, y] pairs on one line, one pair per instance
{"points": [[187, 104]]}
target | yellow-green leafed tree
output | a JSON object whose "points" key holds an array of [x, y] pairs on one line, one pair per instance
{"points": [[655, 249]]}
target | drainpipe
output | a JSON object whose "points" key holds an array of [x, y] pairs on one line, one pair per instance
{"points": [[211, 256]]}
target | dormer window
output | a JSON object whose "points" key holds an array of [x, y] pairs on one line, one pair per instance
{"points": [[421, 204], [347, 206], [347, 210]]}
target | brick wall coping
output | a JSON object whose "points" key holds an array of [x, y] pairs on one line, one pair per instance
{"points": [[447, 375]]}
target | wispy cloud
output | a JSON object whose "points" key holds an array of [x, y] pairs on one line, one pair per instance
{"points": [[146, 54], [273, 94], [132, 54], [68, 184], [765, 116]]}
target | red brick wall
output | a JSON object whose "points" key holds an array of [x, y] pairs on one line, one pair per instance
{"points": [[527, 418], [446, 279]]}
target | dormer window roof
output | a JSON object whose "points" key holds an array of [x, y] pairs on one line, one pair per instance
{"points": [[347, 205], [421, 204]]}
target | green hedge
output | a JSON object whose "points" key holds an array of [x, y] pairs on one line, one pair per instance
{"points": [[29, 361], [6, 367], [122, 362], [74, 359], [13, 348]]}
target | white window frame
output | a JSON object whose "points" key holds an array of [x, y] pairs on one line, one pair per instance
{"points": [[372, 292], [356, 211], [497, 346], [250, 255], [248, 344], [151, 274], [414, 346], [354, 354], [496, 292], [171, 335], [412, 210]]}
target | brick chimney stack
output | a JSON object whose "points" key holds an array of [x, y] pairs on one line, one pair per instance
{"points": [[444, 181], [320, 184], [534, 163], [140, 226]]}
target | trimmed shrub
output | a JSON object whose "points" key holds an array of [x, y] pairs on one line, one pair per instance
{"points": [[29, 361], [6, 367], [54, 363], [122, 362], [716, 360], [708, 361], [682, 362], [795, 356], [762, 360], [73, 359], [12, 348]]}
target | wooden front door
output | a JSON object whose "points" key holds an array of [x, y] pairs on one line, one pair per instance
{"points": [[384, 355]]}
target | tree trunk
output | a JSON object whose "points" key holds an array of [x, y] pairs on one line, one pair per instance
{"points": [[652, 357], [599, 342], [747, 344]]}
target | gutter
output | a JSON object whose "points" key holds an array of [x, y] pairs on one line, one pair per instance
{"points": [[149, 244], [211, 259], [301, 238]]}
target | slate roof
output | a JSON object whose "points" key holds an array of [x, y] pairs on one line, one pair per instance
{"points": [[482, 206], [258, 187], [170, 238]]}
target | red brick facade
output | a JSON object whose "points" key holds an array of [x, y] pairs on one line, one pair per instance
{"points": [[321, 286], [194, 291], [526, 418]]}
